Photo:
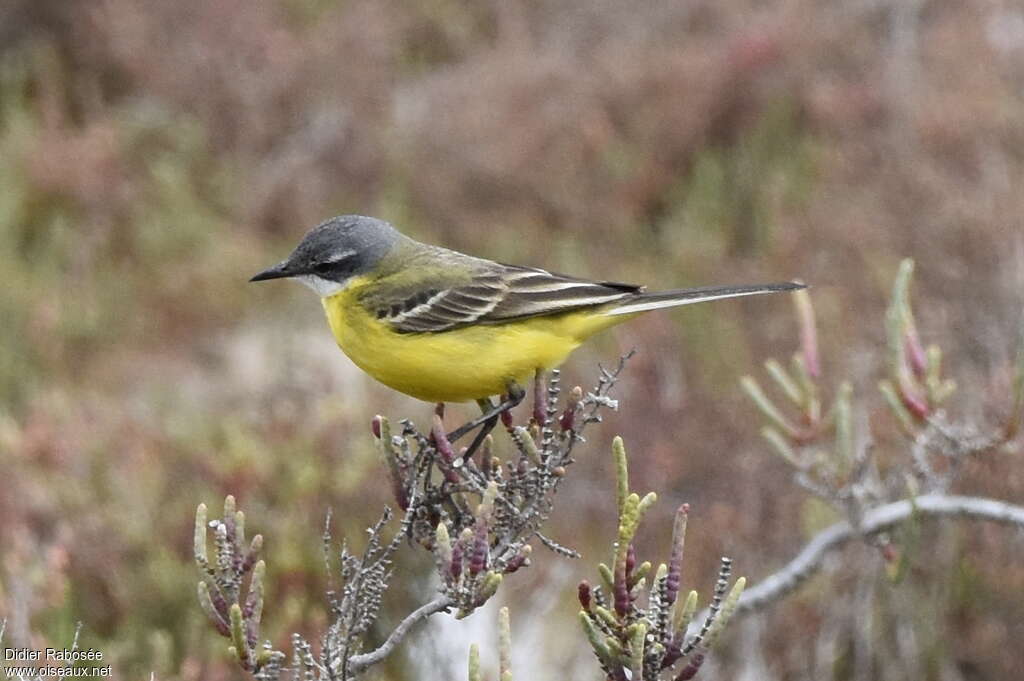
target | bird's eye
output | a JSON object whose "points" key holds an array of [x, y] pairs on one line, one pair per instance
{"points": [[323, 267]]}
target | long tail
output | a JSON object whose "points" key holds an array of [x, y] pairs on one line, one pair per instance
{"points": [[642, 302]]}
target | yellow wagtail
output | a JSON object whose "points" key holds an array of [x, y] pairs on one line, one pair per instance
{"points": [[442, 326]]}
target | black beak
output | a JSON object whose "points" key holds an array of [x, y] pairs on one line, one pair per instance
{"points": [[278, 271]]}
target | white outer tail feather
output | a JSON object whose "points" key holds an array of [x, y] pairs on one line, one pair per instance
{"points": [[661, 299]]}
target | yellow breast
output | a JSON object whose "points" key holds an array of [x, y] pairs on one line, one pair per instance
{"points": [[458, 365]]}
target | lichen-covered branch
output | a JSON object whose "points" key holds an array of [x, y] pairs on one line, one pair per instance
{"points": [[361, 662], [476, 515], [810, 559]]}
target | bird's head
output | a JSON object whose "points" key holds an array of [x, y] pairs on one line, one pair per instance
{"points": [[335, 251]]}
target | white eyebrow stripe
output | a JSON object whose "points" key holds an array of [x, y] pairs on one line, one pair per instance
{"points": [[338, 257]]}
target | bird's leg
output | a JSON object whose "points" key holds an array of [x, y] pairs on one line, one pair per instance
{"points": [[487, 408], [515, 396]]}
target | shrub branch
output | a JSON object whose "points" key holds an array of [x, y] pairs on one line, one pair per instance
{"points": [[876, 521]]}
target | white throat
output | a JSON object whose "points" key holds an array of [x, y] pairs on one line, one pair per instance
{"points": [[325, 288]]}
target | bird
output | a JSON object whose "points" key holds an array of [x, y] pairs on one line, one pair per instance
{"points": [[443, 326]]}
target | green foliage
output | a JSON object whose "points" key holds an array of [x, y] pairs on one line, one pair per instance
{"points": [[504, 651], [234, 613], [734, 191], [649, 639], [84, 271]]}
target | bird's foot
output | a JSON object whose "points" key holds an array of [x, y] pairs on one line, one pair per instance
{"points": [[488, 419]]}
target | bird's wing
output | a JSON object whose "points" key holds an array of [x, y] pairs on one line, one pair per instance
{"points": [[531, 292], [489, 293]]}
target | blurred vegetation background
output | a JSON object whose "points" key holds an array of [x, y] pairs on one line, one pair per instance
{"points": [[154, 155]]}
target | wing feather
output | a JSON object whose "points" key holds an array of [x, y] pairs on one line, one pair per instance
{"points": [[494, 294]]}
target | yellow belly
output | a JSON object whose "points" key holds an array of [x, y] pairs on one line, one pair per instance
{"points": [[462, 364]]}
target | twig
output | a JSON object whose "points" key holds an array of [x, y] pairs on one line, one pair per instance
{"points": [[360, 662], [810, 559]]}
